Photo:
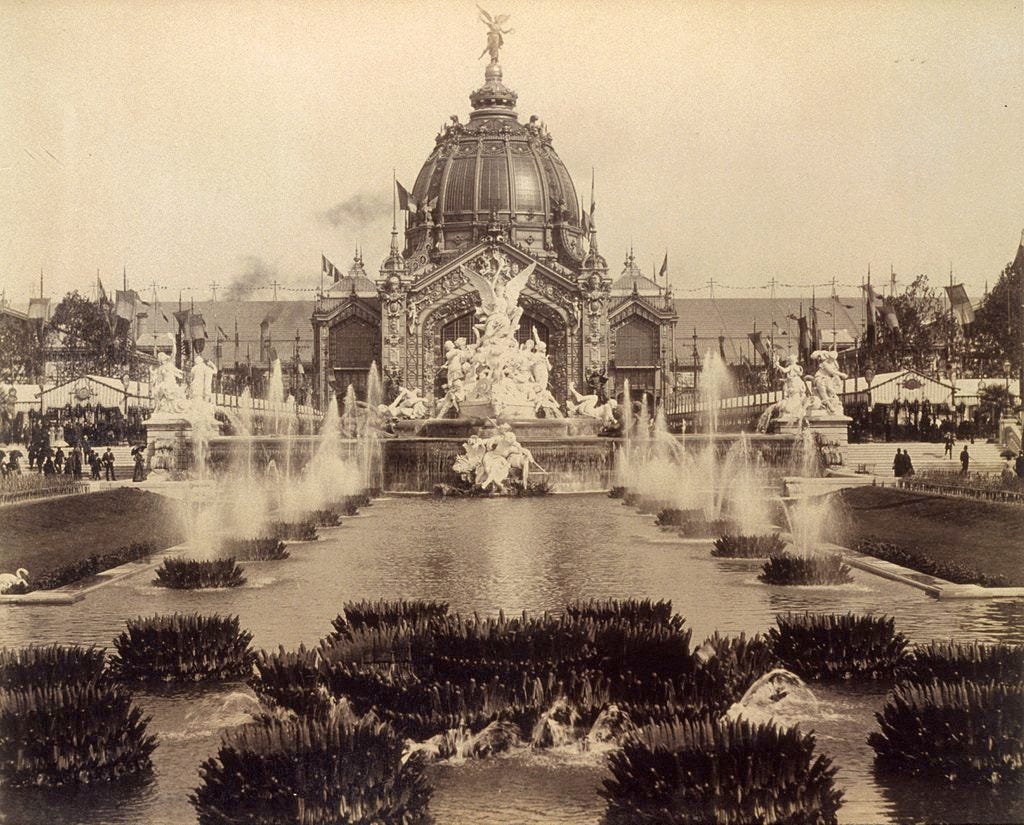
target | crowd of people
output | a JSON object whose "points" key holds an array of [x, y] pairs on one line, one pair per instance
{"points": [[74, 463]]}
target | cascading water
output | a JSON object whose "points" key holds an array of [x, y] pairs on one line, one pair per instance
{"points": [[275, 393], [368, 435]]}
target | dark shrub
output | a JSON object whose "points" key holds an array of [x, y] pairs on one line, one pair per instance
{"points": [[677, 773], [617, 492], [33, 666], [962, 732], [631, 499], [66, 734], [289, 680], [740, 546], [260, 549], [674, 517], [630, 610], [384, 613], [62, 721], [726, 667], [294, 531], [830, 646], [318, 772], [704, 529], [325, 518], [193, 574], [952, 572], [348, 506], [182, 648], [90, 566], [951, 662], [802, 570]]}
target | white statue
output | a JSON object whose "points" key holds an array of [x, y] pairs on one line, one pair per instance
{"points": [[200, 383], [408, 405], [167, 392], [492, 463], [793, 404], [828, 382], [540, 366], [589, 406]]}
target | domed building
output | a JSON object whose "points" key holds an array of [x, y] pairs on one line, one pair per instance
{"points": [[492, 195]]}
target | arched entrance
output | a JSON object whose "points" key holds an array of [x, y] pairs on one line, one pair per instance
{"points": [[353, 345]]}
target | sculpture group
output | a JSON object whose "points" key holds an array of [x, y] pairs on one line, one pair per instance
{"points": [[495, 463], [804, 397]]}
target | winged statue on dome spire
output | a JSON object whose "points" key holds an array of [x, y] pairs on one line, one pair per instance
{"points": [[495, 31]]}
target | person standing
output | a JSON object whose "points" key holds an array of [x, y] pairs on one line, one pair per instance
{"points": [[965, 460], [948, 450], [94, 464], [48, 468], [897, 465], [108, 465], [139, 473], [1018, 465], [58, 460], [908, 465]]}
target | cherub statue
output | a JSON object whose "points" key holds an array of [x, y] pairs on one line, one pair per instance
{"points": [[494, 33], [168, 393]]}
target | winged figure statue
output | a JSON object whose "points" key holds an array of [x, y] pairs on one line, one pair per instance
{"points": [[499, 297], [494, 33]]}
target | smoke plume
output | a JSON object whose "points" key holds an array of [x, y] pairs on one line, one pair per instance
{"points": [[361, 209], [253, 273]]}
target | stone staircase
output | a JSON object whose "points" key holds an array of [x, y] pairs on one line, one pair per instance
{"points": [[877, 457]]}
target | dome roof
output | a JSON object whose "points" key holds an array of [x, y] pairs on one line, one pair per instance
{"points": [[496, 172]]}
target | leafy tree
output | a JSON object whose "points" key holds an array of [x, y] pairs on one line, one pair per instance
{"points": [[83, 338], [20, 349], [996, 328], [924, 331]]}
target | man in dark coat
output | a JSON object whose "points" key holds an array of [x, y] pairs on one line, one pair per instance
{"points": [[897, 465], [965, 460], [58, 460], [1018, 466], [108, 465]]}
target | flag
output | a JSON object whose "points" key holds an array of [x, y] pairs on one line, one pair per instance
{"points": [[805, 338], [762, 350], [124, 304], [721, 347], [405, 200], [816, 331], [101, 293], [663, 272], [871, 311], [960, 303], [197, 327], [586, 223], [325, 265], [39, 309], [181, 316], [220, 331], [888, 314]]}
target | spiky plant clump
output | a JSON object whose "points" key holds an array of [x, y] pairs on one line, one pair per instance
{"points": [[318, 772], [266, 548], [833, 646], [90, 566], [804, 570], [348, 506], [677, 773], [384, 613], [289, 680], [952, 661], [962, 732], [630, 610], [26, 667], [71, 733], [741, 546], [195, 574], [325, 518], [182, 648], [294, 530], [617, 492], [631, 499], [704, 529], [674, 516], [726, 666]]}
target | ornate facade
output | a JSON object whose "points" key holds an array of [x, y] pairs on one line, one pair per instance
{"points": [[492, 195]]}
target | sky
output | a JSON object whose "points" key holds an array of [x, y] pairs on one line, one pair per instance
{"points": [[193, 143]]}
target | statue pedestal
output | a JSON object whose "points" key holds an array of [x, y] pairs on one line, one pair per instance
{"points": [[169, 439], [488, 409], [832, 431]]}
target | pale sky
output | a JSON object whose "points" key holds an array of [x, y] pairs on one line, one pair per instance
{"points": [[197, 142]]}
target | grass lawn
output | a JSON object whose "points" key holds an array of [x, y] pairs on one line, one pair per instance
{"points": [[41, 536], [984, 535]]}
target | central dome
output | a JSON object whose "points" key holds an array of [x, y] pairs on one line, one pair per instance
{"points": [[495, 174]]}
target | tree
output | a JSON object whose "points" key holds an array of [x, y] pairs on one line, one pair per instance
{"points": [[996, 328], [925, 331], [83, 338], [20, 349]]}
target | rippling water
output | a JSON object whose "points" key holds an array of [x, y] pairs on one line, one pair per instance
{"points": [[482, 555]]}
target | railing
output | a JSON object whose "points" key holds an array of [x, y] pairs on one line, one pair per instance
{"points": [[62, 488], [996, 494]]}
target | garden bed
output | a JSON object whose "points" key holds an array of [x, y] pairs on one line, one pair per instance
{"points": [[983, 535], [17, 488]]}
